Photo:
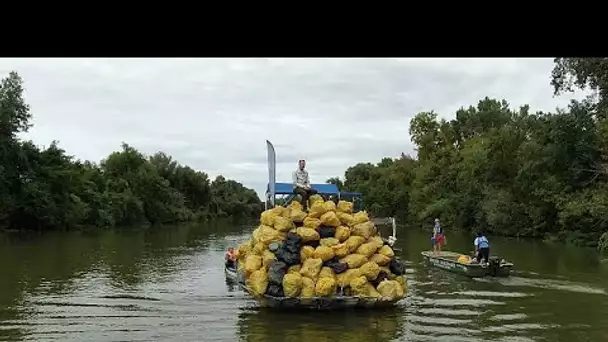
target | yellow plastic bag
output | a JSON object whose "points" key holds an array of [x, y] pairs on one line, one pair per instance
{"points": [[282, 211], [316, 210], [292, 284], [259, 248], [265, 235], [368, 249], [354, 260], [308, 288], [307, 234], [403, 282], [297, 215], [325, 287], [327, 272], [306, 252], [345, 218], [366, 229], [343, 279], [464, 259], [354, 242], [345, 207], [311, 268], [258, 282], [294, 269], [360, 217], [295, 205], [330, 219], [387, 251], [283, 224], [329, 206], [329, 242], [313, 223], [340, 250], [315, 198], [359, 286], [252, 264], [381, 260], [342, 233], [372, 292], [267, 258], [370, 270], [324, 253], [267, 217], [244, 249], [376, 240]]}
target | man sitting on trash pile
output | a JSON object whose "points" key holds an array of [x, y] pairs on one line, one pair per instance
{"points": [[301, 183]]}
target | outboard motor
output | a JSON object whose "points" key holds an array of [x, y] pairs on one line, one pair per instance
{"points": [[494, 266]]}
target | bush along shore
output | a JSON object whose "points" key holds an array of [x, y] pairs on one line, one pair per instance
{"points": [[507, 171], [46, 189]]}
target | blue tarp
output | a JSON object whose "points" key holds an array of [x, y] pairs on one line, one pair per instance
{"points": [[324, 189]]}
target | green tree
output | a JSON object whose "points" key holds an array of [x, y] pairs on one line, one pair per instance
{"points": [[48, 189]]}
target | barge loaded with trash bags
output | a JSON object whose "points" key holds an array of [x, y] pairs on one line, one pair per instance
{"points": [[326, 258]]}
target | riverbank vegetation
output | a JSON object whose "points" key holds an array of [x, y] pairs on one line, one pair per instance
{"points": [[508, 171], [45, 188]]}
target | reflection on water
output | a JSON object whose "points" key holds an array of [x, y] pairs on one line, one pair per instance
{"points": [[357, 325], [168, 284]]}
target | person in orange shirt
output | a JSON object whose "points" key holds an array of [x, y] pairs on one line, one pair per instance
{"points": [[230, 258]]}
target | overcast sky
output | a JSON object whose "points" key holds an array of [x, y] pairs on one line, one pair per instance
{"points": [[215, 114]]}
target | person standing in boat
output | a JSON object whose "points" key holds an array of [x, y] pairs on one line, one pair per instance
{"points": [[438, 239], [301, 183], [482, 247], [230, 258]]}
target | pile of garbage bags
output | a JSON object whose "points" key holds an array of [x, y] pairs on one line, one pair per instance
{"points": [[327, 251]]}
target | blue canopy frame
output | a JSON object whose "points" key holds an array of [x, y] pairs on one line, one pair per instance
{"points": [[286, 189], [323, 189]]}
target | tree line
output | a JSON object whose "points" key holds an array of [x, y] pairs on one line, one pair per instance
{"points": [[507, 171], [45, 188]]}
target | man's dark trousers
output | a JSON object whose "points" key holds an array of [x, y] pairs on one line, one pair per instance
{"points": [[305, 193]]}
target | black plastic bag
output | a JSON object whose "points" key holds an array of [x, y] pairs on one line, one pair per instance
{"points": [[287, 257], [397, 267], [313, 244], [381, 276], [330, 262], [290, 258], [275, 290], [339, 267], [336, 266], [293, 238], [276, 272], [291, 247], [327, 232]]}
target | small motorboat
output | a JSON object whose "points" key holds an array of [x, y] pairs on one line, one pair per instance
{"points": [[231, 272], [448, 261], [233, 275]]}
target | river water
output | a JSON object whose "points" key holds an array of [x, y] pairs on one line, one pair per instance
{"points": [[167, 284]]}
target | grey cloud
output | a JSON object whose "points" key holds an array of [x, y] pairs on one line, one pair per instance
{"points": [[215, 114]]}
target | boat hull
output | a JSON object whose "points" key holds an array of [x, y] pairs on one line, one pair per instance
{"points": [[446, 261], [233, 275], [321, 303]]}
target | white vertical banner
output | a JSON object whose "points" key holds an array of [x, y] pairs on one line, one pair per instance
{"points": [[272, 171]]}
